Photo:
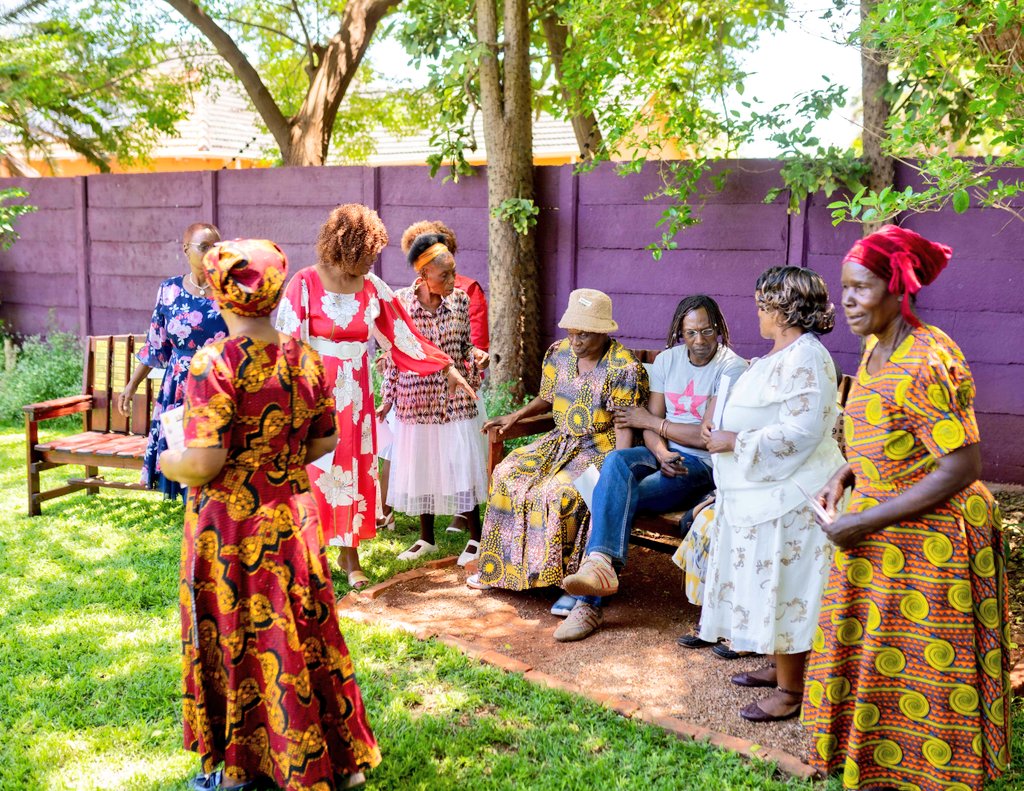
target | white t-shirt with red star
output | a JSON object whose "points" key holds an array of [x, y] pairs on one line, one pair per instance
{"points": [[688, 387]]}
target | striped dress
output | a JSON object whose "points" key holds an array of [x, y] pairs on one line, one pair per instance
{"points": [[908, 680]]}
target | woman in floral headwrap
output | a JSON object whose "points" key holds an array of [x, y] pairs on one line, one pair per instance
{"points": [[908, 680], [269, 687], [337, 305]]}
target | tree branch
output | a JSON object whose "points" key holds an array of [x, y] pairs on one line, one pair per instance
{"points": [[338, 65], [309, 43], [267, 28], [262, 99], [584, 123]]}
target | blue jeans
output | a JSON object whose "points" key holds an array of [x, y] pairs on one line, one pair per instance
{"points": [[631, 481]]}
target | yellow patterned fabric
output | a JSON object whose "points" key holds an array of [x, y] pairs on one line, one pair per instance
{"points": [[532, 534], [268, 685], [908, 680]]}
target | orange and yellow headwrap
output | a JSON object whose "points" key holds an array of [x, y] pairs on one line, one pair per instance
{"points": [[246, 275], [429, 255]]}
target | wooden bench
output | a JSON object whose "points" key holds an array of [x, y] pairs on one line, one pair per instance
{"points": [[649, 530], [108, 439]]}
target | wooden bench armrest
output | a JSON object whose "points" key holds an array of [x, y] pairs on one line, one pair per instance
{"points": [[57, 407], [526, 427]]}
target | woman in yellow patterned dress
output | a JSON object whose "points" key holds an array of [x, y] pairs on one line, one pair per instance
{"points": [[908, 681], [269, 688], [533, 533]]}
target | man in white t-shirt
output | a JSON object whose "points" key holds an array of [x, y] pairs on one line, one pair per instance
{"points": [[672, 471]]}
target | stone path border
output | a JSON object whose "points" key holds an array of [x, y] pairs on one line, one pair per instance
{"points": [[682, 729]]}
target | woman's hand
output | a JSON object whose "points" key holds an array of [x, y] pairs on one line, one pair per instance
{"points": [[847, 531], [634, 417], [124, 401], [831, 493], [482, 358], [382, 410], [720, 441], [503, 423], [671, 464], [456, 382]]}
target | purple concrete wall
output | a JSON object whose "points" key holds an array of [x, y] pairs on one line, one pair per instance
{"points": [[98, 246]]}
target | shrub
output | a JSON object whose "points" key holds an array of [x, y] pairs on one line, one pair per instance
{"points": [[49, 367]]}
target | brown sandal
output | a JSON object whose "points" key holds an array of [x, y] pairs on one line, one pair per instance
{"points": [[754, 713]]}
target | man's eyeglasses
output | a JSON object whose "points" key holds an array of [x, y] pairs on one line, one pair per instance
{"points": [[202, 247], [707, 332]]}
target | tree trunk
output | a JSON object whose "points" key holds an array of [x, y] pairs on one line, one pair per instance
{"points": [[506, 100], [584, 122], [874, 82]]}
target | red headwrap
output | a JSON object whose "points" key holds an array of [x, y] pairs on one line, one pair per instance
{"points": [[904, 258], [246, 275]]}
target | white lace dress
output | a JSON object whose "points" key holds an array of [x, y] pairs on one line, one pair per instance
{"points": [[770, 558]]}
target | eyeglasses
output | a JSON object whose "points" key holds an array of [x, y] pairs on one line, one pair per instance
{"points": [[707, 332], [202, 247]]}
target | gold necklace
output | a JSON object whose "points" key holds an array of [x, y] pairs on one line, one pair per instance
{"points": [[196, 286]]}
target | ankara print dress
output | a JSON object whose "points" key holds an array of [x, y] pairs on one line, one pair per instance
{"points": [[534, 531], [338, 326], [182, 324], [269, 687], [908, 679]]}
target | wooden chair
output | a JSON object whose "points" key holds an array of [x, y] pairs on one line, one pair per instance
{"points": [[649, 530], [108, 439]]}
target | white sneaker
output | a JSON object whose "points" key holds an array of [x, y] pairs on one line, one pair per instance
{"points": [[475, 583], [471, 552], [418, 550]]}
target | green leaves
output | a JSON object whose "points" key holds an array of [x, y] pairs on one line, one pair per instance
{"points": [[9, 213], [93, 77], [520, 212]]}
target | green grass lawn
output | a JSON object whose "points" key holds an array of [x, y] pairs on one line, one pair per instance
{"points": [[89, 674]]}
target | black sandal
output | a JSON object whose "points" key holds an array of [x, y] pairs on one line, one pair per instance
{"points": [[692, 641], [722, 651]]}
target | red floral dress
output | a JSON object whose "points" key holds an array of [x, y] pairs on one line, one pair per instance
{"points": [[268, 685], [338, 326]]}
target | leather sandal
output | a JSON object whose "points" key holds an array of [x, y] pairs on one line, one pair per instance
{"points": [[357, 580], [754, 713], [750, 680]]}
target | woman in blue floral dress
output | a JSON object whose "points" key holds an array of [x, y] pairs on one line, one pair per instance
{"points": [[184, 320]]}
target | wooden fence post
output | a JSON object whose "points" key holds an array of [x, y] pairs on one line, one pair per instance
{"points": [[83, 255]]}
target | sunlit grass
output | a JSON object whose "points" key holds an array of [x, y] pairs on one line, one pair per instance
{"points": [[90, 681]]}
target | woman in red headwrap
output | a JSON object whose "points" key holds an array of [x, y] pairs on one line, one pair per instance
{"points": [[269, 688], [907, 684]]}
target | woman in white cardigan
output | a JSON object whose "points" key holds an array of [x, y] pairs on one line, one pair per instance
{"points": [[770, 560]]}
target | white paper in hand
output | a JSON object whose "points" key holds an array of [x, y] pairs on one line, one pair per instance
{"points": [[820, 512], [586, 482], [720, 396], [173, 422], [324, 462]]}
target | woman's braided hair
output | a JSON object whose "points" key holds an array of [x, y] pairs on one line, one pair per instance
{"points": [[690, 304]]}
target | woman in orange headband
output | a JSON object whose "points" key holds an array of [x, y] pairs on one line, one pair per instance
{"points": [[439, 455], [907, 679]]}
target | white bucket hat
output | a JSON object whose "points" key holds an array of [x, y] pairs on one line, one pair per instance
{"points": [[589, 310]]}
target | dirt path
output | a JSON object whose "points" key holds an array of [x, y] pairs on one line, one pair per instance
{"points": [[633, 655]]}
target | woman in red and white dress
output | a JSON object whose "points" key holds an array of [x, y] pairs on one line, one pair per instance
{"points": [[336, 306]]}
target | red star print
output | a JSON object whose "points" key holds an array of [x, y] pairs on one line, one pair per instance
{"points": [[694, 401]]}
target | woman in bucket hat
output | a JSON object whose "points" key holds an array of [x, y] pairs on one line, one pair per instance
{"points": [[533, 534]]}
